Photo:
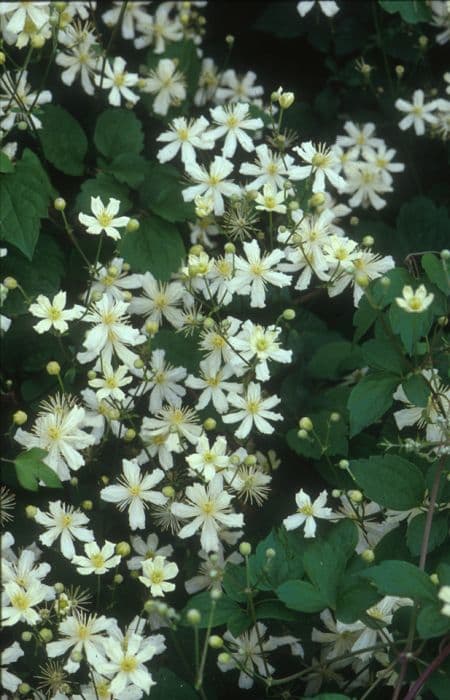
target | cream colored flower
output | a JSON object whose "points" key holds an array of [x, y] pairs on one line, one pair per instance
{"points": [[414, 302]]}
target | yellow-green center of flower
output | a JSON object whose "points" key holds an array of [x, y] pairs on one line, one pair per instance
{"points": [[134, 490], [253, 407], [20, 601], [104, 219], [306, 510], [128, 664], [54, 313], [208, 507], [97, 560], [183, 134], [262, 344], [319, 160], [119, 79], [54, 433], [232, 121], [415, 303], [157, 576]]}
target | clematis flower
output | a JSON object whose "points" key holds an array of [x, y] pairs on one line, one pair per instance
{"points": [[104, 218], [307, 513]]}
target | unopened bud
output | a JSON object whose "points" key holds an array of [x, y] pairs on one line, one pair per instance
{"points": [[355, 496], [129, 435], [26, 636], [138, 364], [87, 504], [30, 511], [368, 556], [123, 549], [336, 493], [10, 283], [149, 605], [302, 434], [20, 417], [46, 634], [133, 225], [168, 491], [151, 327], [74, 481], [344, 464], [53, 368], [399, 70], [442, 321], [76, 656], [104, 479], [289, 314], [22, 125], [59, 587], [250, 460], [209, 424], [423, 41], [229, 39], [224, 658], [286, 99], [193, 616], [209, 323], [368, 241], [37, 41], [434, 578], [445, 254], [59, 204], [306, 423], [118, 579], [294, 205], [24, 688], [229, 248], [335, 417], [215, 642], [362, 280], [270, 553], [245, 548], [385, 281], [215, 594], [317, 199], [354, 221], [127, 296]]}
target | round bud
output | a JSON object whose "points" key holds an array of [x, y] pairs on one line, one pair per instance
{"points": [[215, 594], [274, 96], [215, 642], [344, 464], [151, 327], [126, 295], [26, 636], [129, 435], [355, 495], [270, 553], [74, 481], [123, 548], [229, 248], [168, 491], [193, 616], [306, 423], [335, 417], [53, 368], [385, 281], [235, 460], [149, 605], [132, 226], [224, 658], [213, 558], [76, 656], [196, 249], [87, 504], [20, 417], [434, 578], [104, 479], [91, 374], [336, 493], [126, 267], [245, 548], [286, 99], [209, 424], [423, 41], [289, 314], [22, 125], [2, 58], [46, 634], [209, 323], [118, 579], [362, 280], [60, 6], [161, 608], [368, 556], [30, 511], [368, 241], [59, 204], [445, 254], [24, 688], [302, 434], [59, 587], [10, 283], [44, 613], [399, 70], [442, 321], [37, 41], [354, 221], [250, 461], [229, 39], [317, 199], [138, 364], [134, 573]]}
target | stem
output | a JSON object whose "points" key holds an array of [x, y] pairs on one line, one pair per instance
{"points": [[251, 605], [111, 39], [414, 689], [199, 682]]}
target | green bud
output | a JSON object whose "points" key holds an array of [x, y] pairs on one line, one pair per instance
{"points": [[245, 548]]}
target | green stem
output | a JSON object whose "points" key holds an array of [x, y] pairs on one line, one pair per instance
{"points": [[201, 670]]}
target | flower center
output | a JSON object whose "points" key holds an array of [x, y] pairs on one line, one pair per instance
{"points": [[66, 521], [415, 304], [253, 407], [157, 576], [183, 134], [262, 344], [83, 632], [256, 268], [128, 664], [306, 510], [104, 219], [20, 601], [232, 121], [54, 433], [134, 490], [54, 313], [98, 560], [319, 160], [208, 508], [119, 79]]}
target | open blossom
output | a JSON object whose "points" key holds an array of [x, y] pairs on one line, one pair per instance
{"points": [[156, 574], [232, 122], [78, 57], [209, 460], [83, 633], [65, 522], [209, 508], [9, 656], [252, 410], [97, 560], [161, 300], [18, 603], [253, 273], [14, 87], [307, 513], [417, 112], [116, 79], [134, 13], [126, 662], [270, 168], [167, 84], [270, 200], [148, 549], [53, 313], [328, 7], [186, 135], [256, 342], [158, 29], [134, 491], [19, 13], [214, 385], [323, 164], [104, 218], [109, 385], [212, 183], [414, 302], [163, 383], [359, 137], [237, 88]]}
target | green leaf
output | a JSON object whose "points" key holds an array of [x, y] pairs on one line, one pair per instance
{"points": [[239, 622], [431, 622], [225, 607], [156, 247], [302, 596], [411, 11], [437, 271], [128, 168], [168, 685], [273, 610], [266, 574], [411, 327], [324, 565], [63, 140], [417, 390], [103, 186], [419, 222], [234, 582], [24, 199], [30, 470], [281, 20], [161, 192], [118, 131], [391, 481], [370, 399], [6, 164], [381, 355], [402, 579], [333, 437], [354, 598], [438, 532], [332, 360]]}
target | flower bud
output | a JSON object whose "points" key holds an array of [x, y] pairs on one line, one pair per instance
{"points": [[399, 70], [317, 199], [209, 424], [149, 605], [76, 656], [53, 368], [129, 435], [289, 314], [193, 616], [302, 434], [270, 553], [229, 248], [306, 423], [59, 587], [336, 493], [344, 464], [362, 280], [294, 205], [442, 321], [168, 491], [335, 417], [215, 642], [126, 295], [355, 496], [250, 461], [385, 282], [354, 221], [46, 634], [151, 327], [368, 241], [10, 283], [445, 254], [37, 41], [87, 504], [368, 556], [60, 204], [123, 549], [224, 658], [423, 41], [24, 688], [20, 417], [132, 226], [22, 125], [138, 364], [74, 481], [135, 573], [245, 548], [104, 479], [2, 58], [434, 578], [229, 39], [30, 511], [26, 636], [209, 323], [286, 99], [118, 579]]}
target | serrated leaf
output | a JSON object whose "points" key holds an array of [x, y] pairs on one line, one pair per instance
{"points": [[302, 596], [63, 140], [118, 131], [103, 186], [409, 326], [415, 531], [438, 271], [391, 481], [411, 11], [224, 608], [370, 399], [417, 390], [156, 247], [432, 623], [402, 579], [161, 192], [6, 164], [30, 470], [168, 685], [128, 168]]}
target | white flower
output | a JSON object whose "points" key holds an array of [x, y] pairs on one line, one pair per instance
{"points": [[104, 218], [365, 181], [160, 300], [209, 460], [18, 603], [323, 163], [81, 59], [253, 410], [135, 12], [111, 333], [417, 113], [382, 159], [236, 88], [156, 573], [116, 79], [441, 18], [83, 633], [382, 613], [270, 200], [9, 656], [65, 522], [212, 183], [158, 29], [328, 7], [134, 492], [97, 560], [24, 572], [255, 341], [444, 595], [307, 512], [126, 662], [109, 385], [359, 137], [147, 549], [339, 639], [214, 343], [180, 421], [186, 135], [211, 570], [168, 85], [113, 280], [270, 168], [414, 302], [59, 429], [253, 274], [53, 313], [207, 82], [209, 508], [37, 13], [163, 383], [18, 93], [213, 383], [367, 265], [234, 120]]}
